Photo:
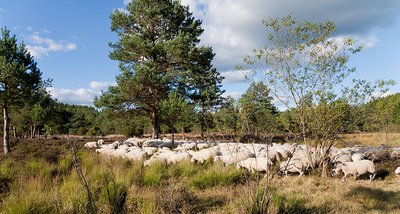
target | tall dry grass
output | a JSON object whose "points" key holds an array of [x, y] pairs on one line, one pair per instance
{"points": [[370, 139], [39, 184]]}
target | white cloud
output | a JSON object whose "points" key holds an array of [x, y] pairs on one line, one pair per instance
{"points": [[41, 46], [377, 95], [100, 85], [369, 42], [235, 94], [80, 96], [126, 2], [234, 27], [234, 76]]}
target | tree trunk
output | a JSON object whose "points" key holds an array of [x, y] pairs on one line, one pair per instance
{"points": [[183, 133], [33, 131], [16, 139], [38, 132], [173, 134], [202, 123], [14, 132], [6, 137], [155, 134]]}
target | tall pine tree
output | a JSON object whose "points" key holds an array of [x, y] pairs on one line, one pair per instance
{"points": [[20, 78], [158, 53]]}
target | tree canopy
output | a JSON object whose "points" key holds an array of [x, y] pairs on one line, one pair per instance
{"points": [[20, 78], [158, 53]]}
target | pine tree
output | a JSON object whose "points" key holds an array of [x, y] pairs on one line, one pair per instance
{"points": [[20, 78], [158, 53], [257, 110]]}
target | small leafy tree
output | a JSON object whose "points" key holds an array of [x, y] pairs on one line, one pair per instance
{"points": [[304, 68]]}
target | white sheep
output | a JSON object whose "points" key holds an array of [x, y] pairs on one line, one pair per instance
{"points": [[260, 164], [178, 157], [234, 158], [397, 171], [357, 157], [135, 141], [342, 158], [201, 146], [203, 155], [292, 166], [120, 152], [357, 168], [155, 160], [150, 150], [91, 145], [136, 155]]}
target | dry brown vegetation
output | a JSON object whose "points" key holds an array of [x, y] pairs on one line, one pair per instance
{"points": [[38, 177], [371, 139]]}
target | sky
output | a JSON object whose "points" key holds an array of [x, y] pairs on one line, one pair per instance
{"points": [[69, 39]]}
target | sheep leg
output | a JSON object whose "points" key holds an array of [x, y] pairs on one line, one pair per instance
{"points": [[344, 177], [371, 177]]}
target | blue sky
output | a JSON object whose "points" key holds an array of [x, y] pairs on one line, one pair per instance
{"points": [[69, 38]]}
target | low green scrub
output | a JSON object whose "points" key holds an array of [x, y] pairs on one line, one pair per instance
{"points": [[289, 204], [155, 174], [217, 175], [114, 194], [33, 198], [65, 165], [38, 167], [182, 169], [73, 195]]}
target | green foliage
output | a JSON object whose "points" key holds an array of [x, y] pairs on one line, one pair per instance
{"points": [[174, 109], [227, 117], [216, 176], [182, 169], [155, 59], [289, 204], [114, 194], [38, 167], [382, 114], [20, 78], [258, 114], [154, 174], [305, 68]]}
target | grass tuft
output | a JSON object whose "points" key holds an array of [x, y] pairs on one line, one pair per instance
{"points": [[154, 174], [217, 175]]}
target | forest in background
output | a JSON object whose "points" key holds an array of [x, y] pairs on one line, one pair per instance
{"points": [[253, 113]]}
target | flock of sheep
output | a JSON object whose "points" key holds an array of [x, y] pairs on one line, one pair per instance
{"points": [[291, 158]]}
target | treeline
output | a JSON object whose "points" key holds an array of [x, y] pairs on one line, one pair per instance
{"points": [[252, 115]]}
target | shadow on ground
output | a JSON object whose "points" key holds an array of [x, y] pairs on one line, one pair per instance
{"points": [[376, 199]]}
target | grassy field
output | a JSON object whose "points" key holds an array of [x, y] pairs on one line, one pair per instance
{"points": [[40, 177]]}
